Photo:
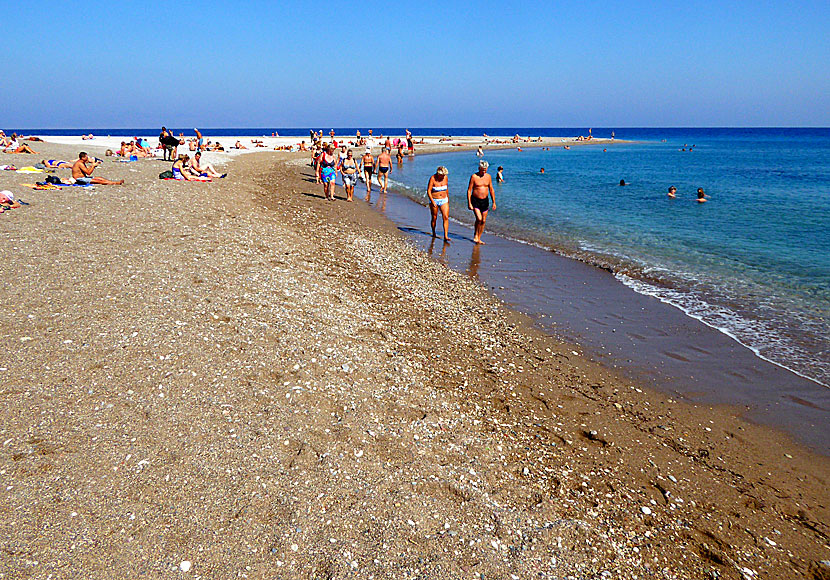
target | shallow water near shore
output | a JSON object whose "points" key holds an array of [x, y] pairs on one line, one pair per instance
{"points": [[753, 262], [646, 338]]}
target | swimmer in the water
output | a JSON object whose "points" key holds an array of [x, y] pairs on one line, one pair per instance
{"points": [[542, 170], [622, 183], [499, 176], [672, 192], [701, 197]]}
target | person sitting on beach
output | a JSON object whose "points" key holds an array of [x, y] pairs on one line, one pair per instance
{"points": [[499, 175], [672, 192], [384, 164], [302, 146], [143, 146], [82, 172], [480, 186], [55, 164], [348, 169], [7, 201], [367, 168], [701, 197], [182, 172], [15, 147], [239, 145], [88, 137], [199, 170], [439, 200]]}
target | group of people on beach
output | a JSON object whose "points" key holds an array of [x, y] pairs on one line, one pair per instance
{"points": [[479, 192], [328, 162], [13, 145]]}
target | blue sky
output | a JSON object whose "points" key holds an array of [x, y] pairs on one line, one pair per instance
{"points": [[427, 64]]}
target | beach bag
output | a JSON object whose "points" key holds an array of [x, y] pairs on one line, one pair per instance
{"points": [[166, 175]]}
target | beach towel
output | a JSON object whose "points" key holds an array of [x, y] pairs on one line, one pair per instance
{"points": [[39, 186], [29, 170]]}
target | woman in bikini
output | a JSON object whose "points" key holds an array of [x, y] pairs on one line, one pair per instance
{"points": [[439, 200], [56, 164], [348, 169], [367, 165], [326, 168], [181, 170]]}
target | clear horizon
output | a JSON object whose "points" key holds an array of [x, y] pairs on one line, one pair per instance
{"points": [[533, 64]]}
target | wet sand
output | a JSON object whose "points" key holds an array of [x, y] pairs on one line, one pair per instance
{"points": [[242, 380], [652, 342]]}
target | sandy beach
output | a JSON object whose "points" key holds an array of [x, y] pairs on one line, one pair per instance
{"points": [[238, 380]]}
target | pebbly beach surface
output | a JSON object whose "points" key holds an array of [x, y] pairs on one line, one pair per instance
{"points": [[239, 380]]}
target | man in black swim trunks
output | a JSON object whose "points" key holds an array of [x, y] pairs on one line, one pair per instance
{"points": [[481, 186]]}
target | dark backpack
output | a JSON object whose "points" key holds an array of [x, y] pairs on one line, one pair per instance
{"points": [[166, 175]]}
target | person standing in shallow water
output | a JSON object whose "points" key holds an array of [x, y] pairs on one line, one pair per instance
{"points": [[384, 164], [480, 187], [439, 200]]}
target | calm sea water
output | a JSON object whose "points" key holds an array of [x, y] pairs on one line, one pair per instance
{"points": [[754, 261]]}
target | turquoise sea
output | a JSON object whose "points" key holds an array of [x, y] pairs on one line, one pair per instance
{"points": [[753, 262]]}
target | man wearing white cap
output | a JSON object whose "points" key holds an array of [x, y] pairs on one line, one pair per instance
{"points": [[478, 191]]}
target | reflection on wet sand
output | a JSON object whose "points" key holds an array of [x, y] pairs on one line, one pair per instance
{"points": [[475, 262], [444, 246]]}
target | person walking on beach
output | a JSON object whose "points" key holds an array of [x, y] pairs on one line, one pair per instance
{"points": [[367, 168], [199, 142], [439, 200], [326, 167], [384, 168], [480, 187], [348, 169], [82, 172]]}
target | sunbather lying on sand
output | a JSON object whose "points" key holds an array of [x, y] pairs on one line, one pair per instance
{"points": [[7, 201], [55, 164]]}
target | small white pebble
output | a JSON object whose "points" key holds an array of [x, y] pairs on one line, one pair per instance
{"points": [[645, 510], [185, 566]]}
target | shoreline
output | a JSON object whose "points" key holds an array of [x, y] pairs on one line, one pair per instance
{"points": [[255, 376], [768, 392]]}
